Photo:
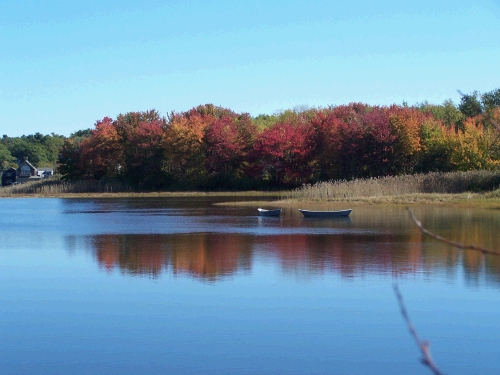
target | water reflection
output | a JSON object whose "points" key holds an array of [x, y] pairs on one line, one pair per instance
{"points": [[209, 257], [195, 237], [184, 286], [215, 256]]}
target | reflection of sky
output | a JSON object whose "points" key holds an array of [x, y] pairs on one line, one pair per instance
{"points": [[91, 217], [377, 240], [60, 313]]}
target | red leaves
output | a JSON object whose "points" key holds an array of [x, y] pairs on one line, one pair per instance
{"points": [[282, 154], [102, 154], [224, 147], [210, 146]]}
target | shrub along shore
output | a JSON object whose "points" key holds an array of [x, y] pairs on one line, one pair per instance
{"points": [[474, 188]]}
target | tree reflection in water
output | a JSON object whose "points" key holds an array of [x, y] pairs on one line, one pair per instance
{"points": [[214, 256]]}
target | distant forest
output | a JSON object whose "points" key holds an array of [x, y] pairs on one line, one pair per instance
{"points": [[210, 147]]}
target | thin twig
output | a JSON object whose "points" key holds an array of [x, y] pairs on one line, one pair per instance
{"points": [[422, 345], [452, 243], [494, 123]]}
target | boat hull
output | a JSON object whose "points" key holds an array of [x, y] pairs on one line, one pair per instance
{"points": [[342, 213], [263, 212]]}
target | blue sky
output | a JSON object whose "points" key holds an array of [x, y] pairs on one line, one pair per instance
{"points": [[66, 64]]}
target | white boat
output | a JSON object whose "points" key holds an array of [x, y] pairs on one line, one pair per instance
{"points": [[276, 212], [341, 213]]}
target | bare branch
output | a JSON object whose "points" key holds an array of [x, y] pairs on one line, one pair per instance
{"points": [[494, 123], [452, 243], [422, 345]]}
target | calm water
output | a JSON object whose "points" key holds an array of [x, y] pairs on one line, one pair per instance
{"points": [[183, 286]]}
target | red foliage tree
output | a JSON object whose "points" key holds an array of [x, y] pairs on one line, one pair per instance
{"points": [[102, 155], [145, 153], [281, 154], [224, 148]]}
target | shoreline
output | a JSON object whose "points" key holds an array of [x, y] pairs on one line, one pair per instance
{"points": [[471, 200], [163, 194], [476, 200]]}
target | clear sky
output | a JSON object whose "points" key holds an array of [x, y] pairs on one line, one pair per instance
{"points": [[66, 64]]}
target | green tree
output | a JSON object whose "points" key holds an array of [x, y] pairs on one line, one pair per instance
{"points": [[447, 112], [54, 144], [22, 148], [470, 104], [6, 159], [69, 160], [263, 121], [80, 134], [491, 99]]}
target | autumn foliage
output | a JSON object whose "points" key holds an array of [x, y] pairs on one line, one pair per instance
{"points": [[210, 147]]}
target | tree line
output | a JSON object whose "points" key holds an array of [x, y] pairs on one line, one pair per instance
{"points": [[211, 147], [40, 150]]}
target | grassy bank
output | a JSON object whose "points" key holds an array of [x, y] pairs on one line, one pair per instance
{"points": [[465, 188], [406, 185], [485, 200], [474, 188], [55, 187]]}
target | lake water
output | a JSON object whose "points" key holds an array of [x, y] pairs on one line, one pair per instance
{"points": [[184, 286]]}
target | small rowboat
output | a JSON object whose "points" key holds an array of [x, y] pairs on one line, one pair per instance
{"points": [[342, 213], [263, 212]]}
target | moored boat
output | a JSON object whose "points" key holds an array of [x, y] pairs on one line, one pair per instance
{"points": [[341, 213], [276, 212]]}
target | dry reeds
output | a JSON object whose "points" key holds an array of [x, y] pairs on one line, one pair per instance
{"points": [[55, 186], [432, 183], [437, 182]]}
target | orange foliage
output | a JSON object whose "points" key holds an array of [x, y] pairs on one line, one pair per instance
{"points": [[475, 146], [183, 144], [210, 146], [406, 124], [102, 154]]}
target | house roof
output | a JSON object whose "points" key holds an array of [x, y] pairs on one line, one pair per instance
{"points": [[8, 170], [27, 163]]}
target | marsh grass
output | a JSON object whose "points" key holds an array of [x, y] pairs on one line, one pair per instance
{"points": [[55, 187], [406, 185], [454, 187], [476, 200]]}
